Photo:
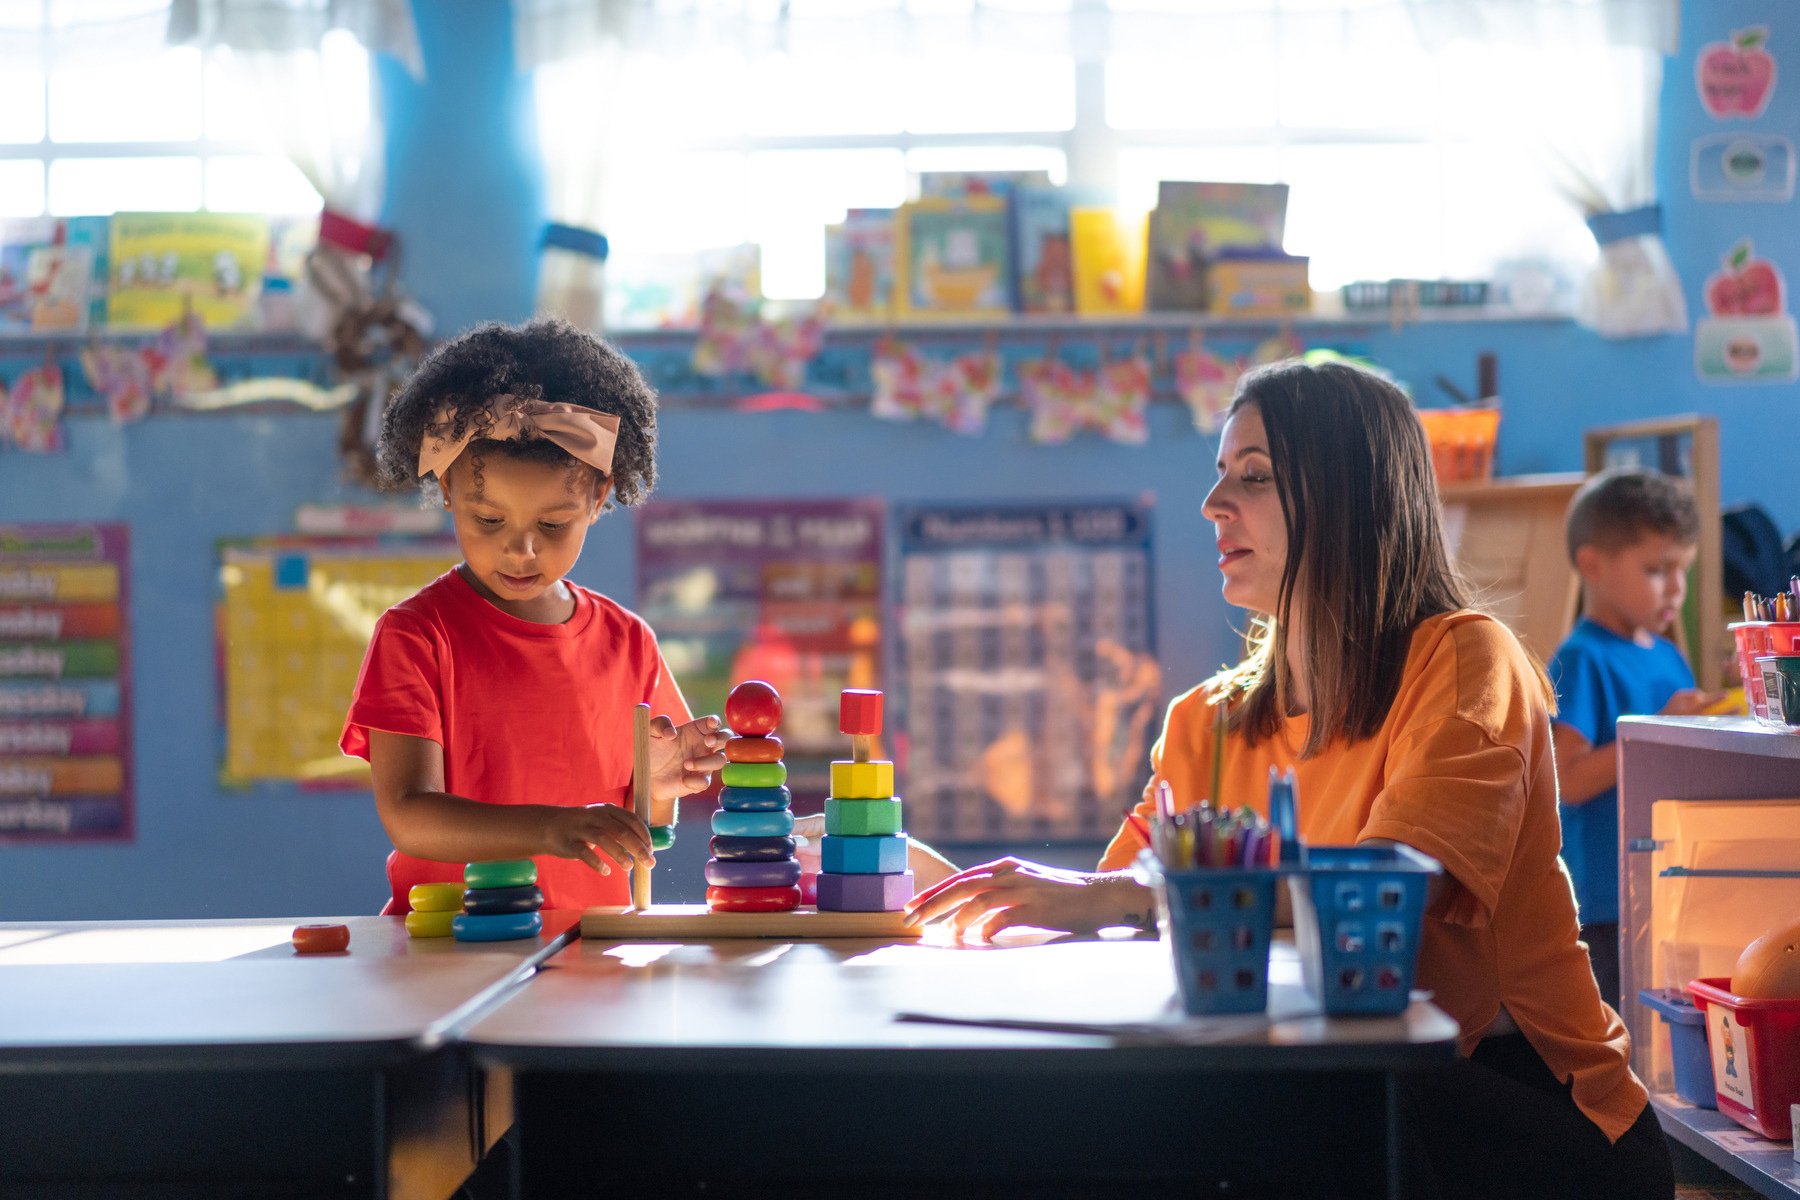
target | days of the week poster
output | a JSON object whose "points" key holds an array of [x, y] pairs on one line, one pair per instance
{"points": [[65, 684]]}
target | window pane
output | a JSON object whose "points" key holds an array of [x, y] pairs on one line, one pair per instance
{"points": [[1140, 170], [258, 183], [1235, 90], [989, 158], [153, 101], [678, 202], [787, 95], [21, 106], [696, 96], [991, 92], [1365, 212], [1380, 86], [90, 186], [793, 195], [1497, 210], [21, 189]]}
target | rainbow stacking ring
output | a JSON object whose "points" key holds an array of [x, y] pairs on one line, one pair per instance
{"points": [[753, 824], [752, 849], [752, 874], [504, 927], [662, 837], [486, 902], [769, 774], [755, 799]]}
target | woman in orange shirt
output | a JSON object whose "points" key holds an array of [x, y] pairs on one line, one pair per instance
{"points": [[1407, 718]]}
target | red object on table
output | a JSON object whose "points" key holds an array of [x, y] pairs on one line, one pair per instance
{"points": [[321, 939], [753, 708], [753, 899]]}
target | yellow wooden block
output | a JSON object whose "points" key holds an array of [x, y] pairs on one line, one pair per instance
{"points": [[862, 781]]}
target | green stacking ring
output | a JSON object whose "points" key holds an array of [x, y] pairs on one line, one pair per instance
{"points": [[662, 837], [754, 774], [511, 872]]}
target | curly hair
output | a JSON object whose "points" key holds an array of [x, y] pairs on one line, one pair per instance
{"points": [[548, 360], [1615, 508]]}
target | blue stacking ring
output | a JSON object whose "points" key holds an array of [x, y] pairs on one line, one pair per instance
{"points": [[785, 873], [501, 927], [753, 824], [749, 799], [752, 849], [485, 902]]}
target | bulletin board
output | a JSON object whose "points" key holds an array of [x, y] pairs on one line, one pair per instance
{"points": [[294, 618], [1030, 686], [65, 684], [788, 591]]}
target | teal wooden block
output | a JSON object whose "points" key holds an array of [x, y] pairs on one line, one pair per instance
{"points": [[862, 818], [863, 855]]}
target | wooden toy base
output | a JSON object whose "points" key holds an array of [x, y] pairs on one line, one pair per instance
{"points": [[699, 923]]}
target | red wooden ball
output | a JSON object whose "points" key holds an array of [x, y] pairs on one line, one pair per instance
{"points": [[753, 709]]}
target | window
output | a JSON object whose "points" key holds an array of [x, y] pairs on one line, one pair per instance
{"points": [[175, 131], [1395, 168]]}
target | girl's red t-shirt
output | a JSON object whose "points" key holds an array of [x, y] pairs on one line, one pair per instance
{"points": [[526, 713]]}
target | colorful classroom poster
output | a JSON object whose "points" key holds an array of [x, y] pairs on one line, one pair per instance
{"points": [[163, 264], [783, 590], [295, 615], [1031, 691], [65, 684]]}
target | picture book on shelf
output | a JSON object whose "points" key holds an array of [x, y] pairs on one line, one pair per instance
{"points": [[952, 258], [1043, 260], [1109, 249], [859, 265], [1194, 221], [966, 185], [52, 273], [166, 264]]}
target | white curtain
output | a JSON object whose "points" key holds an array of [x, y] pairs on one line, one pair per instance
{"points": [[1593, 132]]}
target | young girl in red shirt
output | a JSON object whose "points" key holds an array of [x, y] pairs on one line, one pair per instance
{"points": [[495, 705]]}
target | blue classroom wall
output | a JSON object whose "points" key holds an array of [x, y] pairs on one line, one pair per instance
{"points": [[466, 194]]}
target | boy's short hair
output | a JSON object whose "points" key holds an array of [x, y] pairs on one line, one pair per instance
{"points": [[1615, 508]]}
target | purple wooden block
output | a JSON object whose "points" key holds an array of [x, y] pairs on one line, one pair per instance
{"points": [[781, 873], [865, 893]]}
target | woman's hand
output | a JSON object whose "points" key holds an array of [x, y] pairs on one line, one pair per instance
{"points": [[578, 832], [683, 759], [980, 902]]}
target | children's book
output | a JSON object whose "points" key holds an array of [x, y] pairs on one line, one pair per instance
{"points": [[58, 280], [1194, 221], [953, 258], [166, 264], [1109, 248], [859, 265], [1043, 261], [968, 185]]}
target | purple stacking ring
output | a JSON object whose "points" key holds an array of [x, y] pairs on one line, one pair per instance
{"points": [[781, 873]]}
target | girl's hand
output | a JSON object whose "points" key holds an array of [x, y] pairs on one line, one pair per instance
{"points": [[682, 760], [812, 830], [981, 901], [578, 832]]}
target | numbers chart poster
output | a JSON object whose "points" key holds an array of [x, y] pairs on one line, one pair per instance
{"points": [[65, 684], [1031, 688], [788, 591], [295, 616]]}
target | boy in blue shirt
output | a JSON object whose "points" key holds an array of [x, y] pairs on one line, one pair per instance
{"points": [[1632, 537]]}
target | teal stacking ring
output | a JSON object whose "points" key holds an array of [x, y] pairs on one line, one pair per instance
{"points": [[501, 927], [662, 837], [755, 775], [748, 799], [509, 872], [753, 824]]}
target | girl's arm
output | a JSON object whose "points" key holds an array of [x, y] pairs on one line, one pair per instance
{"points": [[425, 821]]}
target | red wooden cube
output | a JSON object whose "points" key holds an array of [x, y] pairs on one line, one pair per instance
{"points": [[859, 712]]}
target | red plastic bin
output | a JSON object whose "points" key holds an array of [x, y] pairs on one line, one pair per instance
{"points": [[1756, 638], [1755, 1046]]}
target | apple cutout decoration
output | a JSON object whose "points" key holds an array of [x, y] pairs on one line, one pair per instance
{"points": [[1745, 286], [753, 709], [1737, 77]]}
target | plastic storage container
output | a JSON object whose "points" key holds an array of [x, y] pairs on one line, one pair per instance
{"points": [[1754, 640], [1755, 1050], [1357, 915], [1687, 1043], [571, 275], [1217, 922]]}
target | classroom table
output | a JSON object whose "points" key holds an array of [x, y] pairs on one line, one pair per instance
{"points": [[772, 1069], [206, 1058]]}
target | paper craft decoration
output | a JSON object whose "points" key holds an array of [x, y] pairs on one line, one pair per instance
{"points": [[1064, 400], [953, 258], [1206, 383], [956, 393], [1742, 166], [1736, 77], [1747, 336], [734, 338], [33, 410]]}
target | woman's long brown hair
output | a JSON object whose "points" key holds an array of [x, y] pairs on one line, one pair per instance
{"points": [[1366, 559]]}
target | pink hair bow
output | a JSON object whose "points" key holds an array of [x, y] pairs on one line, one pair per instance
{"points": [[588, 435]]}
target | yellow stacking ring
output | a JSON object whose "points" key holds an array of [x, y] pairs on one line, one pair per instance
{"points": [[431, 924], [435, 897]]}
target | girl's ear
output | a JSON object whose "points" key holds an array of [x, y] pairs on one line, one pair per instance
{"points": [[600, 495]]}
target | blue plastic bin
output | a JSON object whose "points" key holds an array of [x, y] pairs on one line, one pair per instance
{"points": [[1357, 915], [1217, 922], [1687, 1045]]}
